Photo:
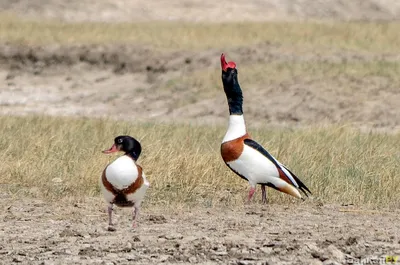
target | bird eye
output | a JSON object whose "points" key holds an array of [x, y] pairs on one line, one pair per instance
{"points": [[119, 141]]}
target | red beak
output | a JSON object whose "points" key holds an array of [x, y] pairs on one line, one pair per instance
{"points": [[113, 149], [225, 65]]}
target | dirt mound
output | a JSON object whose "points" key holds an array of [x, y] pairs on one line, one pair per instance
{"points": [[200, 10], [137, 59], [121, 58]]}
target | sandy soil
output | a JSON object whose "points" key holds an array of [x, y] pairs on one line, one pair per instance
{"points": [[38, 232]]}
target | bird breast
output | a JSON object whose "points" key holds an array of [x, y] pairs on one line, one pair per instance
{"points": [[122, 172]]}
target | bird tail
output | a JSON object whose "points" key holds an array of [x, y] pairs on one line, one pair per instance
{"points": [[301, 185], [285, 187]]}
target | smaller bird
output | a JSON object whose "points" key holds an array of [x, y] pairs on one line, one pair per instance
{"points": [[246, 157], [123, 182]]}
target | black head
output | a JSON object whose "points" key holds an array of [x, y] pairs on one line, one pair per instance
{"points": [[126, 144], [231, 86]]}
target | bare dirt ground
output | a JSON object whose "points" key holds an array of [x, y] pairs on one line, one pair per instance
{"points": [[38, 232], [130, 83]]}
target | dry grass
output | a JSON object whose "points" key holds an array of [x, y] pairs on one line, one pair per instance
{"points": [[58, 158], [373, 37]]}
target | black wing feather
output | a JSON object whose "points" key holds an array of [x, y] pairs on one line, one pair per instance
{"points": [[259, 148], [302, 187]]}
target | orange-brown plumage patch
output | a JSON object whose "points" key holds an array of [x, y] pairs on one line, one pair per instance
{"points": [[130, 189], [106, 183], [283, 176], [137, 184], [231, 150]]}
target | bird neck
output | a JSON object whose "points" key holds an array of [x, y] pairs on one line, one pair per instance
{"points": [[133, 154], [235, 99], [236, 128]]}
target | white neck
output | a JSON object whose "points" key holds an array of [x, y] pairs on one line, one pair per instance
{"points": [[236, 129]]}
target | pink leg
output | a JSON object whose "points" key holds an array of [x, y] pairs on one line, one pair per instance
{"points": [[263, 194], [136, 211], [110, 210], [251, 193], [110, 224]]}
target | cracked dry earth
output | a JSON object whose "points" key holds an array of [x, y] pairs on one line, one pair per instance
{"points": [[39, 232]]}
